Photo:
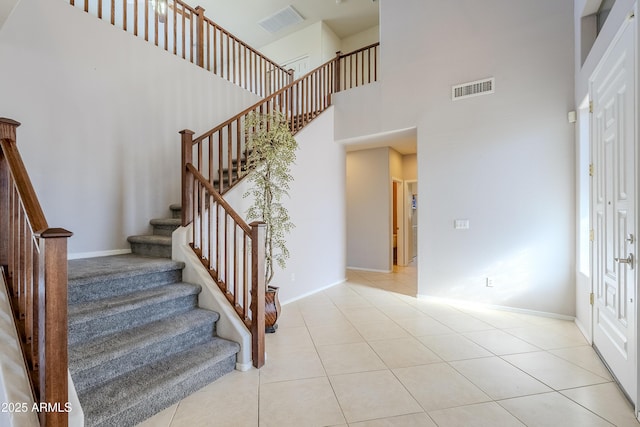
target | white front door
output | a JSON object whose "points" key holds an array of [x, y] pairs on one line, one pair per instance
{"points": [[613, 202]]}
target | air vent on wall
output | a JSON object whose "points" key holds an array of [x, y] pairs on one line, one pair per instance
{"points": [[281, 19], [479, 87]]}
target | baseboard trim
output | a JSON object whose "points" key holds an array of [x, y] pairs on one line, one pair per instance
{"points": [[289, 301], [372, 270], [584, 331], [470, 304], [80, 255]]}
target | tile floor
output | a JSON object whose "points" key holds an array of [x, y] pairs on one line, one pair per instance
{"points": [[366, 353]]}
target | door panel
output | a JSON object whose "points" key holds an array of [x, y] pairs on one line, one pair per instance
{"points": [[613, 202]]}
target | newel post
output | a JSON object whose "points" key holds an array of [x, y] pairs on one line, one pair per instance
{"points": [[7, 133], [52, 326], [291, 73], [187, 178], [258, 289], [336, 78], [200, 36]]}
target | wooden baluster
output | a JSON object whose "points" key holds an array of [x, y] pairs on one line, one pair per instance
{"points": [[187, 177], [336, 74], [7, 132], [52, 329], [124, 15], [135, 17], [258, 289], [200, 36]]}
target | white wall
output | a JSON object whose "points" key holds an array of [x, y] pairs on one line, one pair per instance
{"points": [[6, 6], [368, 209], [100, 113], [317, 41], [361, 39], [503, 161]]}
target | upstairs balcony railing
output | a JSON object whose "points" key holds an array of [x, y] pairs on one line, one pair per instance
{"points": [[186, 32], [33, 260]]}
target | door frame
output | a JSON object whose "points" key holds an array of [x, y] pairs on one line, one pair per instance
{"points": [[399, 210], [631, 20]]}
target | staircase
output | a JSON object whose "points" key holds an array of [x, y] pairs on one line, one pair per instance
{"points": [[137, 340]]}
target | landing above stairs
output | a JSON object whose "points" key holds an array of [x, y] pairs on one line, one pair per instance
{"points": [[137, 340]]}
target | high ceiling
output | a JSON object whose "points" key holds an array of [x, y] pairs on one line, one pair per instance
{"points": [[241, 17]]}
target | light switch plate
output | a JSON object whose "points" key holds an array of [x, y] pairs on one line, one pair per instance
{"points": [[461, 224]]}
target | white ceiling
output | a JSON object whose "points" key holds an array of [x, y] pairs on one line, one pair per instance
{"points": [[404, 141], [241, 17]]}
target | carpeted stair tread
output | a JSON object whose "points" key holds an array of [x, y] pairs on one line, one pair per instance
{"points": [[132, 301], [107, 357], [82, 271], [85, 355], [175, 222], [150, 239], [135, 396]]}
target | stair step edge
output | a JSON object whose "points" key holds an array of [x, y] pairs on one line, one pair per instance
{"points": [[109, 306], [83, 271], [154, 380], [150, 239], [83, 356]]}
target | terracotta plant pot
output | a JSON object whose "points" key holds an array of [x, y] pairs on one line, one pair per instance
{"points": [[271, 309]]}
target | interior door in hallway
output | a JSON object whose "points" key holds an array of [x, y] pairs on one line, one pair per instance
{"points": [[613, 203]]}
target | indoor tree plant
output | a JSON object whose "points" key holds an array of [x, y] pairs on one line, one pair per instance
{"points": [[271, 150]]}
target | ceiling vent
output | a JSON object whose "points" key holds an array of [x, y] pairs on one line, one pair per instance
{"points": [[477, 88], [281, 19]]}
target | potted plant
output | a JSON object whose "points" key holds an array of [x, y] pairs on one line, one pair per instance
{"points": [[271, 150]]}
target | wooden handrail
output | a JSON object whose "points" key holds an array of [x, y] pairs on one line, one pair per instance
{"points": [[186, 32], [33, 257]]}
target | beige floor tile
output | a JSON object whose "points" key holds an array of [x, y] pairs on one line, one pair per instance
{"points": [[585, 357], [423, 326], [551, 409], [214, 403], [436, 309], [338, 333], [607, 401], [464, 323], [322, 316], [499, 342], [291, 366], [290, 317], [286, 341], [403, 352], [349, 358], [439, 386], [553, 371], [364, 315], [499, 379], [497, 318], [400, 311], [413, 420], [372, 395], [480, 415], [161, 419], [545, 338], [299, 403], [382, 330], [454, 347]]}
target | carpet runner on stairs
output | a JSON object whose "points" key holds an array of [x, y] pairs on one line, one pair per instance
{"points": [[138, 342]]}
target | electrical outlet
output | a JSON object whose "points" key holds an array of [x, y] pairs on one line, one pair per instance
{"points": [[293, 277], [489, 282]]}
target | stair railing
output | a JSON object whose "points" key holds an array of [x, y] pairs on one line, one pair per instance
{"points": [[33, 257], [357, 68], [230, 249], [186, 32], [216, 160]]}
